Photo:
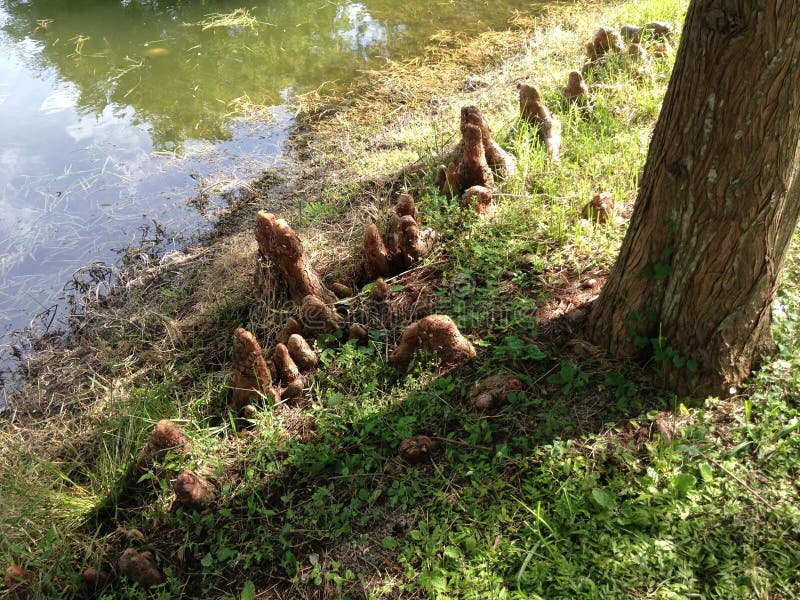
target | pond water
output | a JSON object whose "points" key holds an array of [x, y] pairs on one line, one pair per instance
{"points": [[114, 113]]}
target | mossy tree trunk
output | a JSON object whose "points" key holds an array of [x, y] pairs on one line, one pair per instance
{"points": [[718, 201]]}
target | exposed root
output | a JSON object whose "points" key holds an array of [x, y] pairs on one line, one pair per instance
{"points": [[447, 180], [291, 327], [479, 199], [302, 354], [93, 579], [576, 89], [605, 40], [318, 317], [654, 30], [376, 256], [659, 30], [534, 111], [279, 243], [382, 291], [660, 50], [294, 389], [500, 161], [406, 207], [402, 246], [492, 392], [637, 52], [140, 567], [341, 290], [357, 332], [18, 582], [193, 491], [600, 209], [415, 449], [251, 377], [286, 367], [477, 159], [473, 168], [437, 334], [166, 436]]}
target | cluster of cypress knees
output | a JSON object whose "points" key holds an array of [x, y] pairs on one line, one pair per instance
{"points": [[469, 173]]}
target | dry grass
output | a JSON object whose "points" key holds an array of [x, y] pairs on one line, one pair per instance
{"points": [[237, 19]]}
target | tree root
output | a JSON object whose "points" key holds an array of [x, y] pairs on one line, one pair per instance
{"points": [[492, 392], [534, 111], [605, 40], [576, 89], [165, 436], [304, 357], [140, 567], [402, 246], [279, 243], [415, 449], [600, 209], [251, 378], [479, 199], [318, 317], [193, 491], [437, 334]]}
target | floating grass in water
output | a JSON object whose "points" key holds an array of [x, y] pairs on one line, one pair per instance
{"points": [[240, 18], [247, 107]]}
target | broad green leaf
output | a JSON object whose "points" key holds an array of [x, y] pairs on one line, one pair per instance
{"points": [[684, 482], [249, 591], [603, 498]]}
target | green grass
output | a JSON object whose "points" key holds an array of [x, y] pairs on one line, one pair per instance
{"points": [[590, 483]]}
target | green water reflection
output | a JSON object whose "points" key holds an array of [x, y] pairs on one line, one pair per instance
{"points": [[181, 78]]}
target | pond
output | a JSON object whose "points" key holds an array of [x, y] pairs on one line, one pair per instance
{"points": [[114, 115]]}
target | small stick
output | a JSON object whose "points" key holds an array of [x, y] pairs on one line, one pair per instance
{"points": [[736, 478]]}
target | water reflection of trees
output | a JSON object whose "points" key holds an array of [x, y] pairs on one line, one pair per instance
{"points": [[183, 90]]}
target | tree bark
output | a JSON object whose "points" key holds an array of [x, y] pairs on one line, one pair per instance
{"points": [[718, 201]]}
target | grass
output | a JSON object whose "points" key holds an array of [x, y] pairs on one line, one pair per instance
{"points": [[235, 20], [591, 482]]}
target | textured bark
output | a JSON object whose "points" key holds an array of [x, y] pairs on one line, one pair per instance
{"points": [[533, 110], [140, 567], [302, 354], [278, 242], [165, 436], [500, 161], [193, 491], [719, 199], [437, 334], [251, 379], [473, 168], [376, 256]]}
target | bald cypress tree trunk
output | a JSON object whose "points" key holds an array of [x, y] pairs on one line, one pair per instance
{"points": [[718, 201]]}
